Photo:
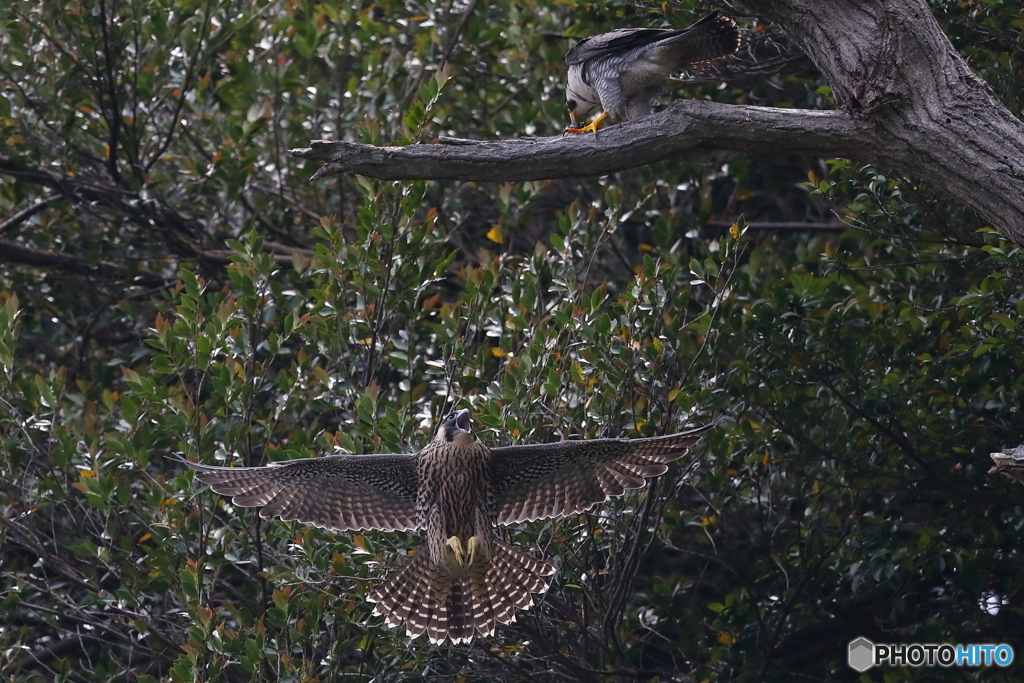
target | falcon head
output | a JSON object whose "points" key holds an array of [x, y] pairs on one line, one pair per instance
{"points": [[456, 428], [578, 108]]}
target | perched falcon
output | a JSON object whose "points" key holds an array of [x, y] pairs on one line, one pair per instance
{"points": [[457, 489], [623, 69]]}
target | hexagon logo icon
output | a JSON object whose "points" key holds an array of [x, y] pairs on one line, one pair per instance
{"points": [[861, 656]]}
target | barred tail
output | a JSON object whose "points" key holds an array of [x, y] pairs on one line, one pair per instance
{"points": [[512, 579], [427, 599], [712, 37]]}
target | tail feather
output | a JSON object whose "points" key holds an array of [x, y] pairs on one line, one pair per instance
{"points": [[499, 589], [460, 613], [712, 37], [475, 585], [521, 568], [427, 599], [437, 627], [393, 596]]}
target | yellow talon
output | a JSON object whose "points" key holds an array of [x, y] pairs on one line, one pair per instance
{"points": [[590, 127], [456, 545], [473, 544]]}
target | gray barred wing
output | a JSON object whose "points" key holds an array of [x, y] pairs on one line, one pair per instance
{"points": [[615, 42], [711, 37], [551, 480], [342, 492]]}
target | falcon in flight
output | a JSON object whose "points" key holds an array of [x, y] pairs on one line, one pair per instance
{"points": [[457, 490], [623, 69]]}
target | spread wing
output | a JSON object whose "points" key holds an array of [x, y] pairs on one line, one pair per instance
{"points": [[625, 39], [555, 479], [343, 492]]}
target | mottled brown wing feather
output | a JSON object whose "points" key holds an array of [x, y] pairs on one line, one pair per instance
{"points": [[342, 492], [555, 479]]}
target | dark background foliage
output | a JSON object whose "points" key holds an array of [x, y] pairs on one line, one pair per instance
{"points": [[172, 284]]}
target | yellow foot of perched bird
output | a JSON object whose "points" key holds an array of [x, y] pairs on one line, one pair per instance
{"points": [[456, 545], [589, 128]]}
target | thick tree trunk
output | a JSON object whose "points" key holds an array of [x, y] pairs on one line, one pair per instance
{"points": [[894, 72], [906, 101]]}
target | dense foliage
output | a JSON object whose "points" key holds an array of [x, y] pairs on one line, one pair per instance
{"points": [[177, 287]]}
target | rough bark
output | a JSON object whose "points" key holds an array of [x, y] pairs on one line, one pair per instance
{"points": [[905, 101]]}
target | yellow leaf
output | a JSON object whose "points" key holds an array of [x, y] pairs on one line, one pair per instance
{"points": [[766, 460], [145, 537], [646, 247], [204, 614], [725, 638], [359, 541], [705, 521], [735, 230], [86, 473], [494, 234], [430, 220]]}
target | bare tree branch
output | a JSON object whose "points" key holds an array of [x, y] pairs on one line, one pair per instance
{"points": [[15, 253], [23, 215], [686, 125]]}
